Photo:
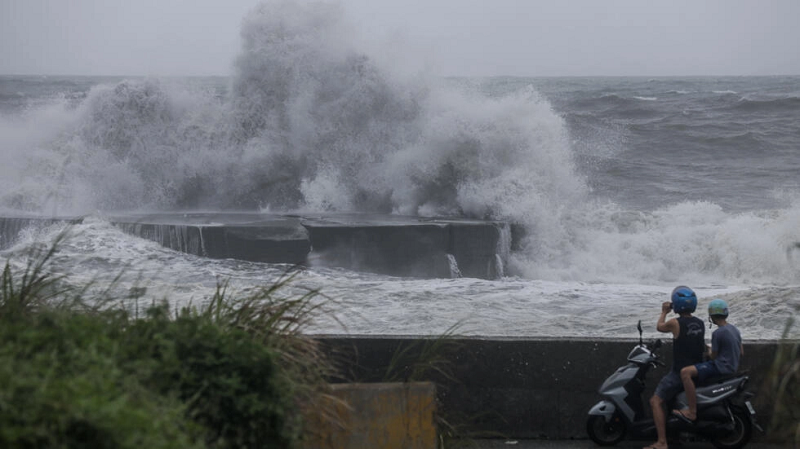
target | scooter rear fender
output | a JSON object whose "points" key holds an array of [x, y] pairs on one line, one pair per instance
{"points": [[605, 409]]}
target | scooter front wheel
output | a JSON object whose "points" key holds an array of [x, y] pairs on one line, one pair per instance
{"points": [[605, 433]]}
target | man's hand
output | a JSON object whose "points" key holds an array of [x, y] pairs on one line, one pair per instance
{"points": [[667, 326]]}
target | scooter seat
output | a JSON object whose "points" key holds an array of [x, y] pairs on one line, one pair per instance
{"points": [[720, 378]]}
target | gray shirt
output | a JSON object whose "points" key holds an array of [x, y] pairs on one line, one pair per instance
{"points": [[726, 342]]}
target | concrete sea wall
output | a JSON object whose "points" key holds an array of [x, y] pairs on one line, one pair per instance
{"points": [[384, 244], [517, 387]]}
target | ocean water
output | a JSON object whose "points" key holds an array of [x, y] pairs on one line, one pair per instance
{"points": [[626, 187]]}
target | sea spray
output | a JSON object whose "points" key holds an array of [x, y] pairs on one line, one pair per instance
{"points": [[455, 273], [312, 123]]}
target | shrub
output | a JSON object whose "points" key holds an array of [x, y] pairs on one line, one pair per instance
{"points": [[228, 381], [62, 387], [76, 372]]}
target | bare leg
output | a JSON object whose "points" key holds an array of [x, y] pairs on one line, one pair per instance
{"points": [[687, 373], [660, 421]]}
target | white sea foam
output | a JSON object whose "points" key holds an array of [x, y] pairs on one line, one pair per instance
{"points": [[373, 304]]}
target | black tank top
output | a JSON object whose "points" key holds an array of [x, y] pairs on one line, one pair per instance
{"points": [[690, 345]]}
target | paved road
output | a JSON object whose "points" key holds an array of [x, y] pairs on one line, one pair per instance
{"points": [[588, 444]]}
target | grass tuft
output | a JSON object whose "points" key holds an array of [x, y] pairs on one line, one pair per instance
{"points": [[784, 384], [78, 371]]}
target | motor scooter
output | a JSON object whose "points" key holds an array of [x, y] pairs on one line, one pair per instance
{"points": [[725, 415]]}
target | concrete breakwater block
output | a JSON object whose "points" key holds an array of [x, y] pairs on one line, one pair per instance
{"points": [[407, 246], [481, 250], [384, 244], [418, 251], [256, 238], [379, 415]]}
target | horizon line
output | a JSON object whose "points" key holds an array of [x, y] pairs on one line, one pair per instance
{"points": [[441, 76]]}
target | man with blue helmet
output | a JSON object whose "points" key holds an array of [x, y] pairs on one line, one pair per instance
{"points": [[725, 352], [688, 346]]}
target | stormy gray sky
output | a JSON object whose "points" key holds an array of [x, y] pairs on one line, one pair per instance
{"points": [[458, 37]]}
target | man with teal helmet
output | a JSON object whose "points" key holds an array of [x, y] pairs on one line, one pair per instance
{"points": [[718, 307], [688, 345], [725, 352]]}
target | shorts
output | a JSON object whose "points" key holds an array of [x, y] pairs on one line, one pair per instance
{"points": [[669, 386], [706, 370]]}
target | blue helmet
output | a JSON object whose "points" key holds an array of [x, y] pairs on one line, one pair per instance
{"points": [[683, 299], [718, 307]]}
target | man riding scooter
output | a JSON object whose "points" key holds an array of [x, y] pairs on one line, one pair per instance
{"points": [[688, 346]]}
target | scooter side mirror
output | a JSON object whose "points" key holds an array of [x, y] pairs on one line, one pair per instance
{"points": [[639, 326]]}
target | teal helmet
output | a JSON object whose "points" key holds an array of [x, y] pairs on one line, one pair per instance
{"points": [[683, 299], [718, 307]]}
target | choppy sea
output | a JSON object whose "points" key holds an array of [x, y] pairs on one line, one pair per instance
{"points": [[626, 187]]}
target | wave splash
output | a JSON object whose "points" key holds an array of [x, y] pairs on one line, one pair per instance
{"points": [[312, 122]]}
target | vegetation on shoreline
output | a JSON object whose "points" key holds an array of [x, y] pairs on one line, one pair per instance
{"points": [[79, 370], [784, 384]]}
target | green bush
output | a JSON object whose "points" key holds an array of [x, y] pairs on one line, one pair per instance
{"points": [[229, 382], [61, 387]]}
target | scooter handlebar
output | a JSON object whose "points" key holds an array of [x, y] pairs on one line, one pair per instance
{"points": [[654, 346]]}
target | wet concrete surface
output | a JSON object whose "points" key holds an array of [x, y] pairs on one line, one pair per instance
{"points": [[588, 444]]}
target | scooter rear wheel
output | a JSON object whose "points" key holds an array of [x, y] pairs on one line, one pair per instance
{"points": [[742, 432], [605, 433]]}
